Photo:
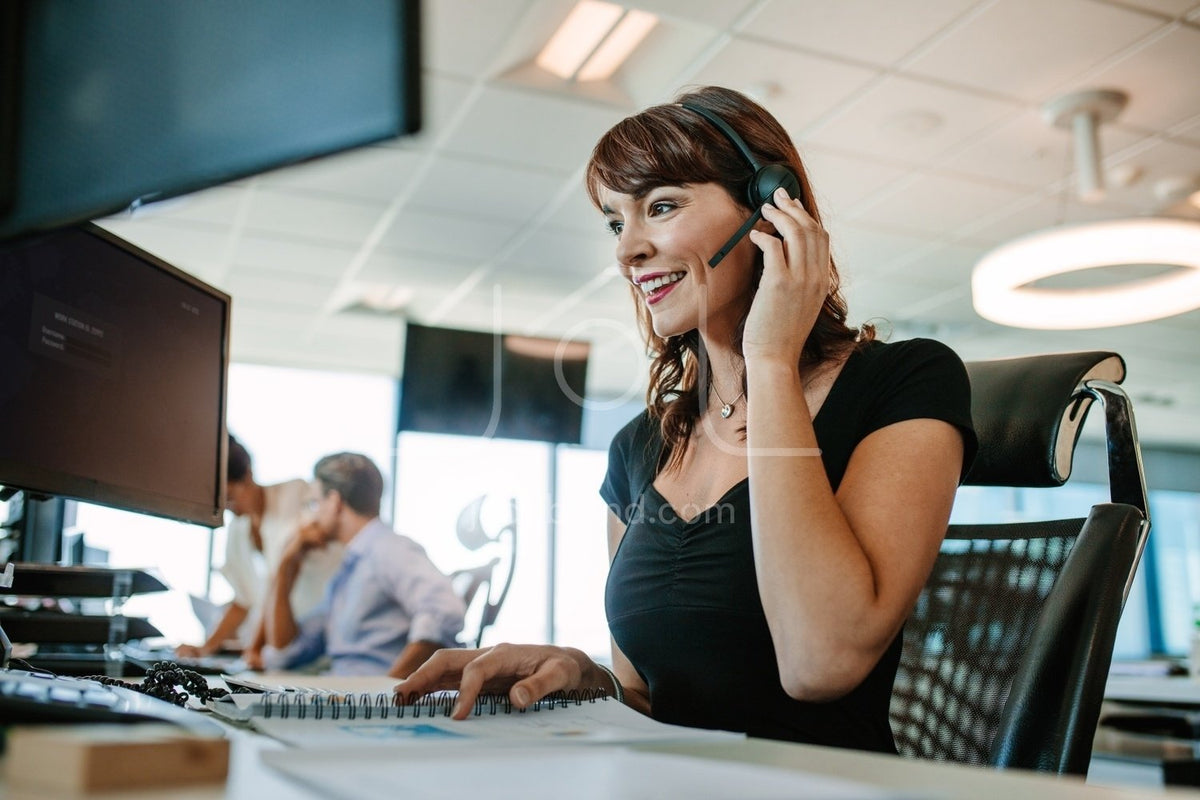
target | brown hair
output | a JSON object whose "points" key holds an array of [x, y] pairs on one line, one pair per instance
{"points": [[669, 145]]}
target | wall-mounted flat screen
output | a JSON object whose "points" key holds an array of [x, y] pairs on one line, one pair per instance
{"points": [[500, 385], [105, 104]]}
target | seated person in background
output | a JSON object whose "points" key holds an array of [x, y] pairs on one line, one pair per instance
{"points": [[265, 520], [387, 609]]}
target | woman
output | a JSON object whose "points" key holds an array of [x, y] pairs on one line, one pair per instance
{"points": [[777, 508]]}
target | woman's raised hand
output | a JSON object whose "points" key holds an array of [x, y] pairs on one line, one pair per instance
{"points": [[525, 672], [795, 281]]}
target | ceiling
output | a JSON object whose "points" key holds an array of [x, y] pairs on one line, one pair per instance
{"points": [[918, 120]]}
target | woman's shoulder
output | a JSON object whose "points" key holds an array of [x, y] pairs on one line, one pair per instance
{"points": [[636, 432], [929, 358]]}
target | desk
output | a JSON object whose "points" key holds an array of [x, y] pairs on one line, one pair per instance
{"points": [[249, 779], [1147, 759], [1172, 691]]}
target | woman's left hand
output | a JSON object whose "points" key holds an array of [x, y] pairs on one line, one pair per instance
{"points": [[794, 285]]}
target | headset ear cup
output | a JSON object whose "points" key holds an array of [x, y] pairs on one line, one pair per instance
{"points": [[769, 178]]}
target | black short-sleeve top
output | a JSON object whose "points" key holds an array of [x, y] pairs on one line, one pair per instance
{"points": [[682, 599]]}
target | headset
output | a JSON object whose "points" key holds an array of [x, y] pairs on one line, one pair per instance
{"points": [[766, 179]]}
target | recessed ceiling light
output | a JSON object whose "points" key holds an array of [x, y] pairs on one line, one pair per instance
{"points": [[594, 40], [613, 51]]}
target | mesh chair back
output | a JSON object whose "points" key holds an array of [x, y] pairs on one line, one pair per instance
{"points": [[1005, 656], [968, 634]]}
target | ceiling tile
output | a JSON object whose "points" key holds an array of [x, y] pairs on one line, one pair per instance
{"points": [[905, 120], [1161, 161], [463, 37], [715, 13], [472, 188], [312, 217], [387, 266], [371, 173], [288, 256], [862, 252], [192, 248], [576, 213], [568, 252], [1026, 150], [1025, 48], [265, 290], [936, 205], [943, 265], [433, 233], [1156, 77], [840, 181], [530, 128], [1036, 212], [1168, 8], [803, 87], [443, 99], [878, 33]]}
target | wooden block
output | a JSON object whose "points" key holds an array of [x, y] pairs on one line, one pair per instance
{"points": [[83, 758]]}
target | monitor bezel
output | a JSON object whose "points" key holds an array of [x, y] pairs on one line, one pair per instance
{"points": [[42, 483]]}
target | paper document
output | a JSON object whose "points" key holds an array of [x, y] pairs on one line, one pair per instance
{"points": [[602, 721], [581, 773]]}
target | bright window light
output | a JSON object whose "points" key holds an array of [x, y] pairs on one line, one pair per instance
{"points": [[594, 40], [1000, 290], [613, 51]]}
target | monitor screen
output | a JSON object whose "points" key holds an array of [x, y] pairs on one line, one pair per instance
{"points": [[497, 385], [105, 104], [113, 367]]}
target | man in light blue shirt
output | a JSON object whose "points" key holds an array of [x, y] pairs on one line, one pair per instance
{"points": [[386, 610]]}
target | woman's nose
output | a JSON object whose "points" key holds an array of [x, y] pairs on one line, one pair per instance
{"points": [[633, 246]]}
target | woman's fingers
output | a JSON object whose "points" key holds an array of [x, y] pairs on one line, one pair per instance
{"points": [[526, 673], [443, 670]]}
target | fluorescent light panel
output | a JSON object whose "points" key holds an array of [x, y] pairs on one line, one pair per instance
{"points": [[594, 40], [613, 51]]}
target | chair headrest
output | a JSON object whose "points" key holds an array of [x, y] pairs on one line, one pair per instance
{"points": [[1028, 415]]}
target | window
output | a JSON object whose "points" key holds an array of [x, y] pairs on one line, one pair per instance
{"points": [[287, 419]]}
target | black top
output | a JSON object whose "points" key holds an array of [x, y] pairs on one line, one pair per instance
{"points": [[682, 598]]}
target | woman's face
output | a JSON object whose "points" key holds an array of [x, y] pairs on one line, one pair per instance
{"points": [[664, 242]]}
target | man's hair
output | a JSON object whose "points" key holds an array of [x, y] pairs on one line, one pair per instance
{"points": [[353, 476], [237, 463]]}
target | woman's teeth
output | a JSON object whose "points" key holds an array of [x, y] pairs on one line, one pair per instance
{"points": [[661, 281]]}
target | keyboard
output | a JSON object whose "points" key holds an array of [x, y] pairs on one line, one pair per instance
{"points": [[38, 697]]}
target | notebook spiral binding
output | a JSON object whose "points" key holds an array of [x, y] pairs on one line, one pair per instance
{"points": [[384, 705]]}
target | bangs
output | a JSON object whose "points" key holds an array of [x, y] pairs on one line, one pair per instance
{"points": [[655, 148]]}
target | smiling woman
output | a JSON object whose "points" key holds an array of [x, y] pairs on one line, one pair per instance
{"points": [[766, 547]]}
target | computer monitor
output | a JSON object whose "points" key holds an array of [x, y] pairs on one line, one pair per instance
{"points": [[473, 383], [113, 368], [105, 104]]}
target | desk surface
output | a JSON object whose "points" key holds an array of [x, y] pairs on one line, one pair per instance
{"points": [[1172, 690], [250, 779]]}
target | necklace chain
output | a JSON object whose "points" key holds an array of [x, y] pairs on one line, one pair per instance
{"points": [[726, 408]]}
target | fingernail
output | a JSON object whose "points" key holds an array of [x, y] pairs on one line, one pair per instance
{"points": [[521, 696]]}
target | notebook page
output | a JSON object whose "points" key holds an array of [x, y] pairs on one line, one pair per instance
{"points": [[603, 721], [581, 773]]}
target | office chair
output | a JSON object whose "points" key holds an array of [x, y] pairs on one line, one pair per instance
{"points": [[469, 581], [1006, 654]]}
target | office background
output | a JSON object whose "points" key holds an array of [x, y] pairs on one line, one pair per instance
{"points": [[919, 122]]}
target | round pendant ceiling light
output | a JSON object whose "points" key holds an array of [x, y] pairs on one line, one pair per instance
{"points": [[1001, 282]]}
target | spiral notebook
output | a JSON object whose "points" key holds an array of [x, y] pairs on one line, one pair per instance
{"points": [[323, 719]]}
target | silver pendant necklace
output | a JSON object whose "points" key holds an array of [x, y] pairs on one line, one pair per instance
{"points": [[726, 408]]}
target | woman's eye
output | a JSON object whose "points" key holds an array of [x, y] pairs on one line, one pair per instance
{"points": [[614, 227], [660, 207]]}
